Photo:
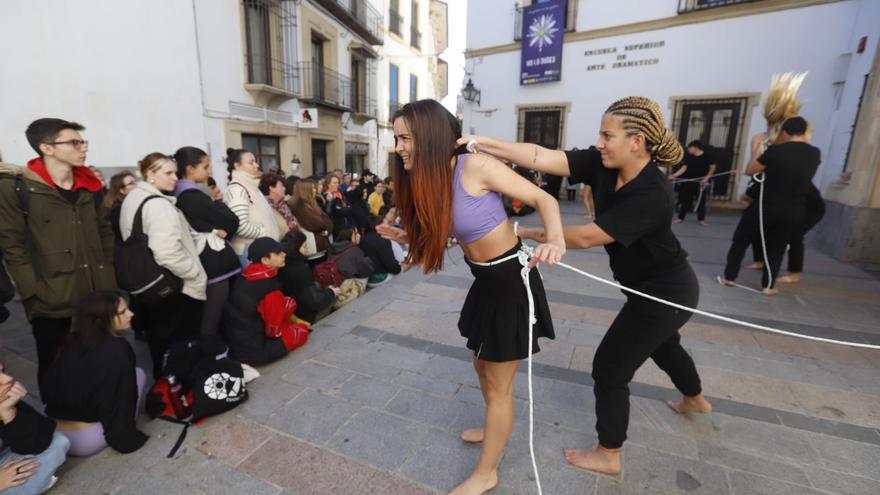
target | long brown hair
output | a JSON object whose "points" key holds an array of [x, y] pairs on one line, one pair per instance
{"points": [[117, 184], [303, 196], [423, 194]]}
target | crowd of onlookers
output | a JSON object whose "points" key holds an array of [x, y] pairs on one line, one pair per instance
{"points": [[254, 265]]}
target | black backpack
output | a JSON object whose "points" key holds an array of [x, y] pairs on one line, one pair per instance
{"points": [[211, 381], [136, 269]]}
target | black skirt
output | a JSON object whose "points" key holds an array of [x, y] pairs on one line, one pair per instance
{"points": [[495, 315]]}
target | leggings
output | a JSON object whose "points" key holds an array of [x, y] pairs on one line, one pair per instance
{"points": [[643, 329], [90, 440], [212, 310], [778, 228]]}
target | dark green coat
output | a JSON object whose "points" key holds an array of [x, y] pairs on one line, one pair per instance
{"points": [[63, 251]]}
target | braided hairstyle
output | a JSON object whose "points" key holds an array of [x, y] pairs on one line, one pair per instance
{"points": [[643, 115]]}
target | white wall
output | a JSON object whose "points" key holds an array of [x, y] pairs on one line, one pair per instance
{"points": [[737, 55], [125, 70]]}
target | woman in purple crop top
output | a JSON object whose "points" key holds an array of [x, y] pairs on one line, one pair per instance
{"points": [[634, 208], [438, 192]]}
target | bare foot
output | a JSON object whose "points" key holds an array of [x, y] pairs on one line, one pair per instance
{"points": [[723, 281], [697, 404], [472, 435], [598, 459], [677, 220], [791, 278], [476, 484], [758, 265], [769, 292], [703, 222]]}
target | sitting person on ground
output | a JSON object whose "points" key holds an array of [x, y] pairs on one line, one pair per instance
{"points": [[30, 448], [93, 388], [256, 320], [312, 300], [379, 249], [359, 210], [350, 259]]}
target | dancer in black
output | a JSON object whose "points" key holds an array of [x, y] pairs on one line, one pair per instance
{"points": [[788, 170], [698, 169], [634, 205]]}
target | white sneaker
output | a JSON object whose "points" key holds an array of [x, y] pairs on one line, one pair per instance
{"points": [[249, 373], [52, 482]]}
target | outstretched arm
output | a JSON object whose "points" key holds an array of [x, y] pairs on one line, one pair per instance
{"points": [[576, 236], [495, 176], [528, 155]]}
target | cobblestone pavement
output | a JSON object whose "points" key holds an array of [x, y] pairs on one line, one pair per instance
{"points": [[374, 403]]}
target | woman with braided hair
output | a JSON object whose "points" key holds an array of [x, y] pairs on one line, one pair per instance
{"points": [[634, 209]]}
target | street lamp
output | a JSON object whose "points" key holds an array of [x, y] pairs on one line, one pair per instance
{"points": [[470, 93]]}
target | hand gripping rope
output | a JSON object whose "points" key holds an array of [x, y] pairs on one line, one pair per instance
{"points": [[523, 256]]}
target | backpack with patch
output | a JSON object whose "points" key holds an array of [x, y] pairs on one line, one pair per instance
{"points": [[211, 383]]}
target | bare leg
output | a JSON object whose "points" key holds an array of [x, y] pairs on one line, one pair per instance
{"points": [[498, 393], [598, 459], [475, 435], [697, 404]]}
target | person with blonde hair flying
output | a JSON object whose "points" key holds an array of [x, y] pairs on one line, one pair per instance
{"points": [[634, 209]]}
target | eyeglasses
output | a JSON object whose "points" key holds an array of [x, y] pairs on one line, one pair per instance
{"points": [[76, 143]]}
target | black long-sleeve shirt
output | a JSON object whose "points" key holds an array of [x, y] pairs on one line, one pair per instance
{"points": [[205, 215], [297, 282], [29, 433], [379, 250], [97, 385]]}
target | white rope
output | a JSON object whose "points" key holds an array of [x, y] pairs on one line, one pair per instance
{"points": [[760, 181], [718, 317], [523, 256], [695, 179]]}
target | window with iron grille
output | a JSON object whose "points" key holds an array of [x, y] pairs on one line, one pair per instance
{"points": [[265, 148], [395, 21], [415, 36], [259, 50], [691, 5], [270, 43], [393, 97], [413, 87]]}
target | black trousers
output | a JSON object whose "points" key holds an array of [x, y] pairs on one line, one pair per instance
{"points": [[50, 334], [175, 319], [780, 225], [643, 329], [687, 194], [212, 308], [813, 214]]}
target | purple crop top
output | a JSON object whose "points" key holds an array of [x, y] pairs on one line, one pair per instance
{"points": [[473, 216]]}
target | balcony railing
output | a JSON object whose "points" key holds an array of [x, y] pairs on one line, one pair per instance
{"points": [[324, 86], [395, 22], [363, 104], [263, 69], [360, 17], [415, 39], [692, 5]]}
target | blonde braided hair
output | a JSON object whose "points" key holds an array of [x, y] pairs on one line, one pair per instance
{"points": [[643, 115]]}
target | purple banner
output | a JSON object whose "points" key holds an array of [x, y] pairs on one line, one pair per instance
{"points": [[543, 29]]}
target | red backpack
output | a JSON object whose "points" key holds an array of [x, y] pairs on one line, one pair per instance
{"points": [[327, 272]]}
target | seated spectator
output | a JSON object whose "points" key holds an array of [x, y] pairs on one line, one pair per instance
{"points": [[30, 448], [388, 195], [377, 199], [359, 210], [336, 205], [350, 259], [93, 388], [256, 321], [378, 249], [272, 186], [297, 281], [310, 217]]}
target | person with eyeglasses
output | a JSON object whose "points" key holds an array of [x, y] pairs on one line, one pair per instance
{"points": [[121, 184], [58, 247]]}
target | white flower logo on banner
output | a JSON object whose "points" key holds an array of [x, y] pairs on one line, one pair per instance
{"points": [[541, 31]]}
